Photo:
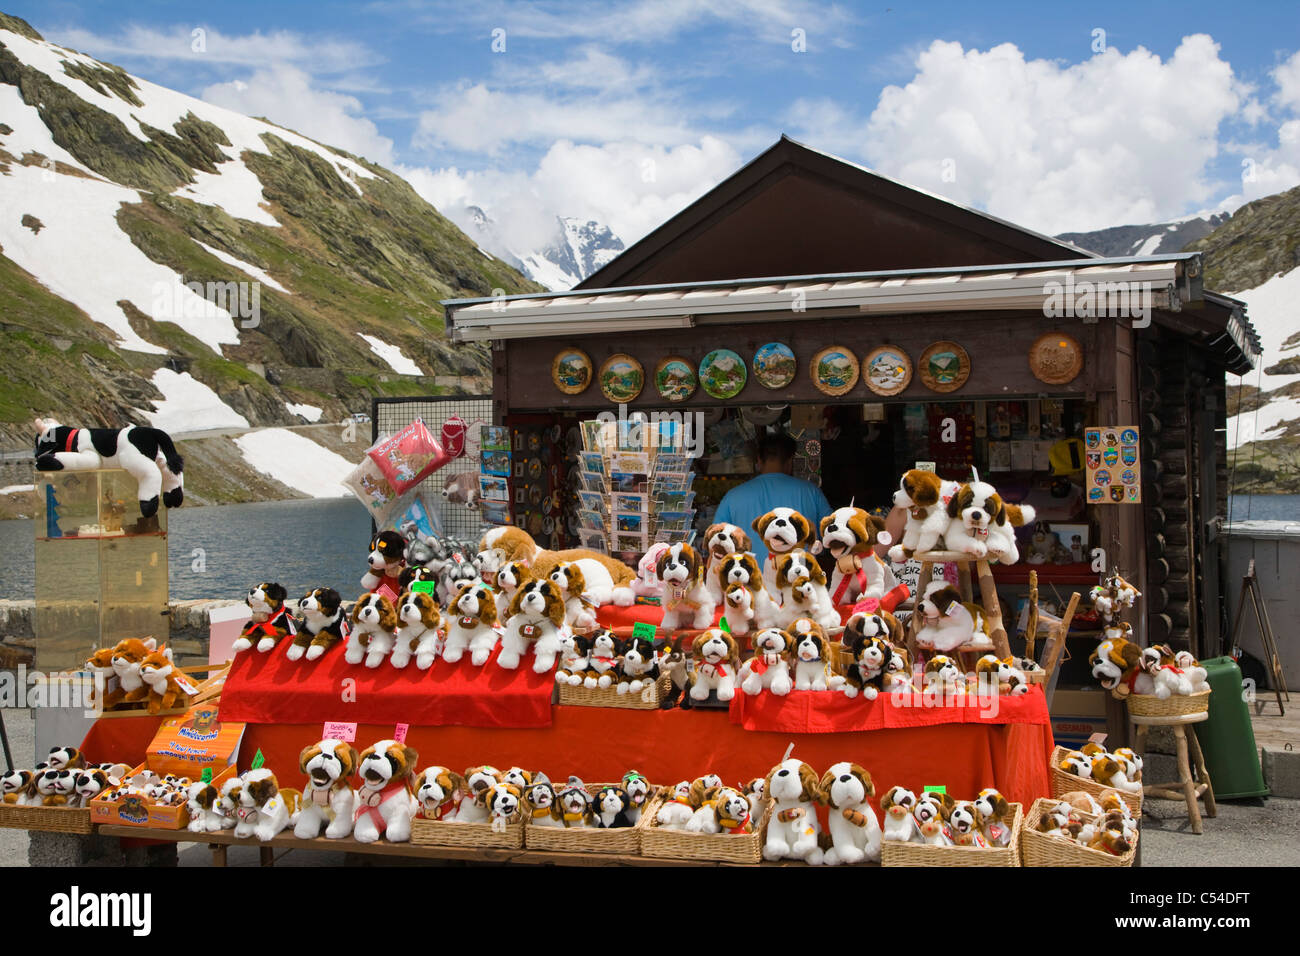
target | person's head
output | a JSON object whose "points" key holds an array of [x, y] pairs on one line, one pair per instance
{"points": [[775, 452]]}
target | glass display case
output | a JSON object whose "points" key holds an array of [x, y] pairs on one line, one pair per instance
{"points": [[101, 569]]}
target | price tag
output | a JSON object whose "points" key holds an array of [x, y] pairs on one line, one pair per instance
{"points": [[424, 587], [339, 730], [643, 630], [1097, 739], [942, 789], [206, 776], [723, 625], [258, 760], [399, 732]]}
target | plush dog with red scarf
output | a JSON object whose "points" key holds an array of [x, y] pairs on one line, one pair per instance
{"points": [[638, 664], [471, 625], [328, 800], [721, 540], [603, 661], [925, 496], [687, 602], [676, 810], [385, 803], [748, 605], [717, 665], [801, 585], [731, 814], [769, 667], [851, 536], [866, 675], [438, 792], [781, 530], [271, 621], [387, 561]]}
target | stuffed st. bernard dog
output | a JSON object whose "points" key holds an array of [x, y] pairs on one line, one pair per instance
{"points": [[793, 790], [801, 585], [201, 803], [747, 604], [543, 808], [511, 575], [855, 831], [602, 662], [982, 525], [866, 675], [925, 496], [471, 625], [419, 632], [717, 664], [575, 655], [781, 530], [769, 668], [505, 805], [536, 623], [686, 601], [478, 781], [322, 624], [931, 813], [438, 792], [579, 611], [996, 817], [851, 536], [328, 799], [949, 623], [608, 580], [638, 791], [721, 540], [900, 826], [384, 803], [676, 810], [810, 654], [730, 813], [374, 630], [264, 808], [943, 675], [638, 664]]}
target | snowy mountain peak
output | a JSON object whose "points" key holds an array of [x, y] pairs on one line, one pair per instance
{"points": [[577, 248]]}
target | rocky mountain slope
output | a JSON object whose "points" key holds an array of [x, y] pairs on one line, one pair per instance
{"points": [[1148, 240]]}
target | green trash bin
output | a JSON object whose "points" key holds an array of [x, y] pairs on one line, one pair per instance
{"points": [[1227, 738]]}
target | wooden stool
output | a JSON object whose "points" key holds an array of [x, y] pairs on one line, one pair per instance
{"points": [[966, 654], [1185, 788]]}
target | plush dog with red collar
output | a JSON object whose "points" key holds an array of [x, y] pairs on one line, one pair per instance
{"points": [[265, 809], [717, 665], [925, 496], [866, 675], [981, 524], [438, 792], [781, 530], [579, 612], [687, 602], [801, 585], [385, 803], [419, 632], [729, 813], [676, 810], [322, 624], [851, 536], [271, 621], [471, 625], [769, 667], [793, 790], [328, 799], [900, 826], [721, 540], [638, 664], [747, 604], [948, 622], [602, 663], [374, 630], [810, 656], [535, 624], [386, 561], [855, 831]]}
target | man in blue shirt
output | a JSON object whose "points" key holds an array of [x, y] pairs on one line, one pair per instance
{"points": [[772, 487]]}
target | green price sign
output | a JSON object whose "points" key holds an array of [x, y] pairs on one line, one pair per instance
{"points": [[424, 587], [643, 630], [258, 760], [936, 790], [206, 776]]}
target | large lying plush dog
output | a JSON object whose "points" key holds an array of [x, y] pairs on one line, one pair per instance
{"points": [[147, 454]]}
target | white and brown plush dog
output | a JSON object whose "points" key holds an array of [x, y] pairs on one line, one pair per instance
{"points": [[898, 673], [996, 817], [323, 624], [265, 809], [866, 675], [729, 813], [543, 808], [328, 799], [747, 605], [753, 791], [925, 496], [781, 530], [900, 826], [602, 663], [374, 630], [717, 665], [271, 622], [676, 810], [385, 803], [505, 805], [608, 580], [579, 612], [68, 758], [949, 623], [471, 625], [535, 624], [90, 783], [227, 805], [576, 810], [999, 675], [419, 632], [508, 580], [931, 813], [575, 656], [56, 788], [810, 655], [793, 829], [478, 782], [963, 822], [851, 536], [638, 664], [201, 801], [769, 668], [869, 619], [687, 602], [1113, 596], [638, 791], [721, 540], [981, 524], [438, 792], [801, 585], [943, 676], [855, 831]]}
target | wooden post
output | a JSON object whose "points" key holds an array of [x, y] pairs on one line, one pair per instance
{"points": [[218, 854], [989, 592]]}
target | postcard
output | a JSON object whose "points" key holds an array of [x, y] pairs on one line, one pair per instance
{"points": [[634, 521], [495, 512], [496, 463], [631, 543], [637, 462], [494, 488], [594, 461], [494, 438], [593, 540], [624, 501], [593, 501], [628, 481]]}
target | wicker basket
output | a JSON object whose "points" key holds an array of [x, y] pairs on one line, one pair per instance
{"points": [[893, 853], [680, 845], [647, 698], [447, 833], [1039, 849], [1063, 783], [1175, 705], [624, 840], [54, 819]]}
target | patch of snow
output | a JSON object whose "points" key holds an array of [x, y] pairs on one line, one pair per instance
{"points": [[248, 268], [310, 412], [16, 489], [297, 461], [543, 270], [1271, 310], [392, 355], [30, 134], [189, 405], [236, 189], [1148, 246]]}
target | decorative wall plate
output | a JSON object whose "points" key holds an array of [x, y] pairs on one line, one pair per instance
{"points": [[675, 379], [1055, 358], [834, 370], [944, 367], [723, 374], [571, 371], [887, 370], [621, 378], [775, 365]]}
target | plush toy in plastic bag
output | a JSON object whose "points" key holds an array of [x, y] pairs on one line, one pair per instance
{"points": [[408, 457]]}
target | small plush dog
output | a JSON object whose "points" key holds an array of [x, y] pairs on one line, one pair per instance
{"points": [[851, 536], [687, 601], [730, 813], [996, 817], [781, 530], [1116, 663], [944, 676], [900, 826], [478, 781], [56, 788], [471, 625], [322, 624], [201, 801], [748, 605], [769, 668], [575, 655], [810, 655], [638, 664], [931, 813], [753, 791], [1000, 675], [384, 802], [419, 631], [638, 791], [870, 618], [374, 630], [963, 822], [609, 808], [386, 561], [535, 623], [801, 585], [981, 524], [1112, 597], [504, 805], [579, 612], [866, 675], [509, 578], [67, 758], [925, 496], [793, 829], [227, 805], [328, 799], [717, 664], [91, 783], [543, 808], [576, 810], [948, 623], [271, 622], [855, 832], [721, 540], [898, 673], [602, 664], [265, 809], [676, 811]]}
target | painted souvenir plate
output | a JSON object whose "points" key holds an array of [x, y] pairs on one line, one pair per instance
{"points": [[723, 373], [774, 365], [834, 370], [944, 367], [887, 369], [675, 379], [621, 378], [1055, 358], [571, 371]]}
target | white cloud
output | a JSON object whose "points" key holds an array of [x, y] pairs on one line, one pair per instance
{"points": [[287, 96]]}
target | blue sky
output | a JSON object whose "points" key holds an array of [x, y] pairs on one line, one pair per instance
{"points": [[1056, 116]]}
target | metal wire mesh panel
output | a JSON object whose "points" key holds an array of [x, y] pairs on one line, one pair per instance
{"points": [[392, 414]]}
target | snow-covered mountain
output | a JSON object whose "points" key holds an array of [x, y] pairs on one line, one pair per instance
{"points": [[576, 250], [1148, 240]]}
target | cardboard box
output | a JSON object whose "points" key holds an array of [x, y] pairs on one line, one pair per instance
{"points": [[189, 743], [1077, 715], [137, 812]]}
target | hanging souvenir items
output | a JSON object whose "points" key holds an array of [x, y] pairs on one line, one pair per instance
{"points": [[944, 367], [774, 365], [887, 370], [834, 370], [723, 374], [453, 436], [675, 379], [571, 371], [621, 378], [1055, 358]]}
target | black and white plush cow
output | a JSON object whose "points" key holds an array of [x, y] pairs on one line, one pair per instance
{"points": [[146, 453]]}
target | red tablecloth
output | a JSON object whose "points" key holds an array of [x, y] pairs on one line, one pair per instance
{"points": [[612, 616], [601, 744], [271, 689]]}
